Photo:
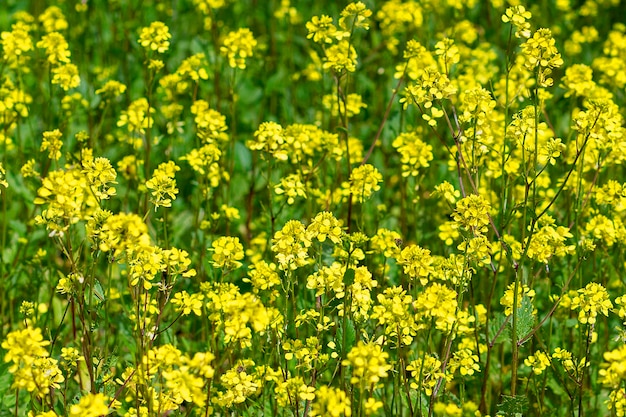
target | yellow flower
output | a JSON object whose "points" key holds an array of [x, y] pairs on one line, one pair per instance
{"points": [[91, 405], [325, 225], [57, 48], [162, 185], [364, 181], [227, 252], [66, 76], [238, 46], [155, 37], [368, 362]]}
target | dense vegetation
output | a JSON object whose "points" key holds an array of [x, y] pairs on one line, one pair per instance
{"points": [[243, 208]]}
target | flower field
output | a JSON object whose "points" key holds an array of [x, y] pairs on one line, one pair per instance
{"points": [[291, 208]]}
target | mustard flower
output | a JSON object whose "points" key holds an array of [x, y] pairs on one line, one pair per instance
{"points": [[578, 80], [204, 161], [364, 181], [64, 192], [13, 104], [322, 30], [52, 143], [128, 166], [23, 346], [371, 406], [100, 176], [331, 402], [387, 242], [111, 89], [550, 240], [355, 15], [238, 46], [437, 302], [446, 191], [39, 376], [290, 245], [66, 76], [540, 53], [15, 44], [538, 362], [269, 137], [56, 48], [208, 6], [426, 371], [464, 361], [590, 301], [155, 37], [454, 268], [306, 353], [137, 118], [518, 16], [187, 303], [32, 367], [360, 294], [612, 193], [477, 107], [144, 263], [194, 67], [352, 106], [449, 232], [395, 312], [227, 252], [185, 386], [398, 17], [53, 20], [201, 364], [326, 279], [291, 187], [414, 153], [602, 228], [236, 314], [323, 226], [70, 357], [617, 401], [90, 405], [239, 386], [507, 298], [210, 124], [294, 391], [416, 262], [448, 53], [368, 362], [162, 185], [262, 276], [340, 57], [431, 86], [613, 372], [177, 262], [70, 284], [472, 213]]}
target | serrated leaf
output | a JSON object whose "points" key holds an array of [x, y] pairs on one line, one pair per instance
{"points": [[512, 406], [525, 318], [498, 330]]}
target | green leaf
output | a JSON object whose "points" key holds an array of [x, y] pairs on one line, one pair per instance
{"points": [[525, 318], [498, 329], [512, 406], [348, 277], [350, 335]]}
